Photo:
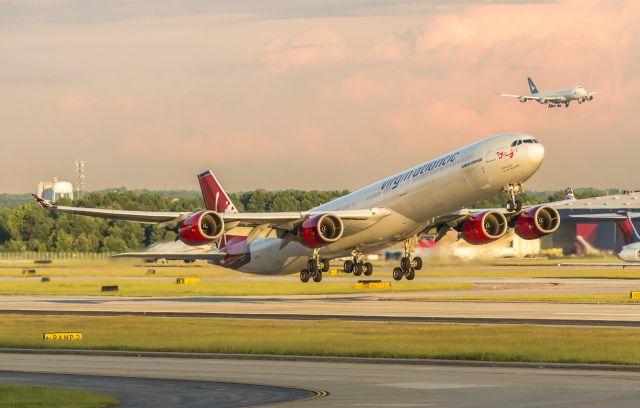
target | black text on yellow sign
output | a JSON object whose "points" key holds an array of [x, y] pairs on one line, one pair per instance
{"points": [[69, 336], [635, 295]]}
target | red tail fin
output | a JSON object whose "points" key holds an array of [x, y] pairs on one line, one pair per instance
{"points": [[215, 199]]}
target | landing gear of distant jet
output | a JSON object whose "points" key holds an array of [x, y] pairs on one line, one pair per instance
{"points": [[513, 205], [566, 104], [348, 266], [398, 273], [305, 275], [317, 277]]}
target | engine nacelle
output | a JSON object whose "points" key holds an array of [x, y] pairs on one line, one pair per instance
{"points": [[630, 253], [543, 101], [201, 228], [537, 222], [320, 230], [522, 99], [484, 227], [589, 97]]}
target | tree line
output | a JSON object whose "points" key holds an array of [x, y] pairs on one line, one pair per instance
{"points": [[27, 227]]}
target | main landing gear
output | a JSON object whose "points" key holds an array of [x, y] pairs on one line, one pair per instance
{"points": [[408, 265], [356, 266], [513, 205], [315, 267]]}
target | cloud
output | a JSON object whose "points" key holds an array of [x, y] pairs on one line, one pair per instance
{"points": [[318, 45]]}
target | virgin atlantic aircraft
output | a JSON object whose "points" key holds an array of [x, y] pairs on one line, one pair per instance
{"points": [[428, 198]]}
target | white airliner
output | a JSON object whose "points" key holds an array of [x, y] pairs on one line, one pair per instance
{"points": [[429, 197], [555, 98]]}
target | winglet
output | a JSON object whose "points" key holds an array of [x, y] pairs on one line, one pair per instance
{"points": [[42, 202]]}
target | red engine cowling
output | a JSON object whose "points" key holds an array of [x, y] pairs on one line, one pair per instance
{"points": [[536, 222], [320, 230], [201, 228], [484, 227]]}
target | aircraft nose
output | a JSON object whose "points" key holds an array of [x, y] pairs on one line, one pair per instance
{"points": [[536, 152]]}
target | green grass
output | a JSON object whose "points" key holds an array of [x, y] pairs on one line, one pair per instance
{"points": [[560, 298], [332, 338], [157, 287], [23, 396], [432, 268]]}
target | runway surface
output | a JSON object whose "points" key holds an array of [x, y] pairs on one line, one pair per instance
{"points": [[377, 305], [371, 385], [163, 393]]}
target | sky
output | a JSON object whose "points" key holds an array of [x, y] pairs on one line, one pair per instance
{"points": [[308, 94]]}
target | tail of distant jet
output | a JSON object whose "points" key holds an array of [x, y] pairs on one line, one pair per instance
{"points": [[628, 230], [532, 86], [215, 199]]}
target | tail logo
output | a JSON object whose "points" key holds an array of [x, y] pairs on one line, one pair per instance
{"points": [[532, 86]]}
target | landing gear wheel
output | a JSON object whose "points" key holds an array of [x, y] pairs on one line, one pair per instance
{"points": [[518, 206], [312, 265], [317, 277], [418, 263], [410, 274], [357, 269], [405, 263], [305, 275], [325, 265], [397, 273], [510, 206], [368, 269], [348, 266]]}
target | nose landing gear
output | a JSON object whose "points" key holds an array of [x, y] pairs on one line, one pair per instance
{"points": [[513, 205]]}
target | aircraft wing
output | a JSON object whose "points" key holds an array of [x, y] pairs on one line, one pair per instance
{"points": [[286, 220], [173, 256], [606, 216], [537, 98]]}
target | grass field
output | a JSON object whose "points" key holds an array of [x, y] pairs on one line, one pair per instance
{"points": [[22, 396], [157, 287], [561, 298], [505, 268], [332, 338]]}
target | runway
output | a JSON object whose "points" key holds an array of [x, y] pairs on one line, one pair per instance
{"points": [[164, 393], [378, 306], [355, 385]]}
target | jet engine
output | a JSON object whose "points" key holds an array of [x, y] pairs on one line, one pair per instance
{"points": [[630, 253], [543, 101], [589, 97], [536, 222], [484, 227], [320, 230], [522, 99], [201, 228]]}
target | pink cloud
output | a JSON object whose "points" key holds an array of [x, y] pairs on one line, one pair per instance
{"points": [[314, 46]]}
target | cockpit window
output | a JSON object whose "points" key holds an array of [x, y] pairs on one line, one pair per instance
{"points": [[519, 142]]}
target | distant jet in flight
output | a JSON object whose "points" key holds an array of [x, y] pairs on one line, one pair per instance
{"points": [[554, 98]]}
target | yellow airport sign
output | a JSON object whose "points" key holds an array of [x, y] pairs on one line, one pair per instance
{"points": [[70, 336], [188, 280], [634, 295], [373, 285]]}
